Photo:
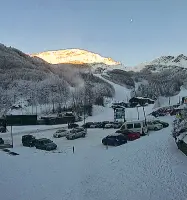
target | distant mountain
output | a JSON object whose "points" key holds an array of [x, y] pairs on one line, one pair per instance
{"points": [[74, 56], [163, 63]]}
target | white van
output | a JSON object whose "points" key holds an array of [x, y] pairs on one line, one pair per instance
{"points": [[136, 126]]}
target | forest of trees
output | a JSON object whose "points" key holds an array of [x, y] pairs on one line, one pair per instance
{"points": [[32, 79]]}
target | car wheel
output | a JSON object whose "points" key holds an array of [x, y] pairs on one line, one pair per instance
{"points": [[155, 129]]}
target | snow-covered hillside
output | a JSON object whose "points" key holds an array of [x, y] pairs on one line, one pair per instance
{"points": [[162, 63], [74, 56]]}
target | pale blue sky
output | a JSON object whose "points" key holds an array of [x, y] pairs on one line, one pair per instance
{"points": [[159, 27]]}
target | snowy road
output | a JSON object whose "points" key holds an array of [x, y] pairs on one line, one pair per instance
{"points": [[150, 168]]}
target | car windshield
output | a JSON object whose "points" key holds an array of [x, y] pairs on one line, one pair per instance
{"points": [[47, 141], [61, 130], [73, 130]]}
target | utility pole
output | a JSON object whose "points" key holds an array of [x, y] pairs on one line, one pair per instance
{"points": [[12, 136], [138, 112], [14, 98], [84, 105], [22, 104], [32, 101], [36, 104], [144, 115]]}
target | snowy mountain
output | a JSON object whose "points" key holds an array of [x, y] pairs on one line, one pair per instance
{"points": [[74, 56], [162, 63], [179, 60]]}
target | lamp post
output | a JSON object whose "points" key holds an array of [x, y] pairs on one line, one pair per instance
{"points": [[138, 112], [11, 135], [144, 115]]}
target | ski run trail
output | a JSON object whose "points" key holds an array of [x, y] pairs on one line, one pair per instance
{"points": [[150, 168]]}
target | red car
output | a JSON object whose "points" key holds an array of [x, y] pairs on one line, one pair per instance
{"points": [[131, 135]]}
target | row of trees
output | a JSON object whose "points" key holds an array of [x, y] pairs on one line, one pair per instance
{"points": [[54, 90]]}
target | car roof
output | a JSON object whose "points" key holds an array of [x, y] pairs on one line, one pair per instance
{"points": [[27, 136], [43, 139], [115, 134], [134, 121]]}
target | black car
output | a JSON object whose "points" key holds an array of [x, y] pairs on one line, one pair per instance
{"points": [[2, 129], [28, 140], [102, 124], [87, 124], [73, 125], [45, 144], [1, 141], [164, 124], [114, 140]]}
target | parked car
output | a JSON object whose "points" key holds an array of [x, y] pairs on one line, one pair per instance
{"points": [[110, 125], [96, 125], [28, 140], [102, 124], [164, 124], [73, 125], [158, 113], [76, 133], [136, 126], [117, 125], [45, 144], [99, 125], [114, 140], [152, 125], [60, 133], [87, 124], [131, 135], [2, 129], [1, 141]]}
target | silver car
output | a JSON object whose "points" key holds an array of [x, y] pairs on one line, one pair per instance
{"points": [[152, 125], [60, 133], [76, 133]]}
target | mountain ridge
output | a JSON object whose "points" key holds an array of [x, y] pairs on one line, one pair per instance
{"points": [[162, 63], [74, 56]]}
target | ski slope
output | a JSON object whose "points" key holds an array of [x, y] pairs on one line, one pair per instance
{"points": [[121, 93]]}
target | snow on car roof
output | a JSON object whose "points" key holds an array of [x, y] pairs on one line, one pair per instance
{"points": [[134, 121]]}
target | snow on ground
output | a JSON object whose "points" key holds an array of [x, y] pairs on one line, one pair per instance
{"points": [[148, 168], [32, 128]]}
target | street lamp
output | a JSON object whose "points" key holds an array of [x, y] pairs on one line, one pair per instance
{"points": [[138, 112], [144, 115]]}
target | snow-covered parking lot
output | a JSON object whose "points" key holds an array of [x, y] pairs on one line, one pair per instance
{"points": [[148, 168]]}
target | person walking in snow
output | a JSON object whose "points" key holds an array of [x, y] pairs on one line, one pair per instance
{"points": [[73, 149]]}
